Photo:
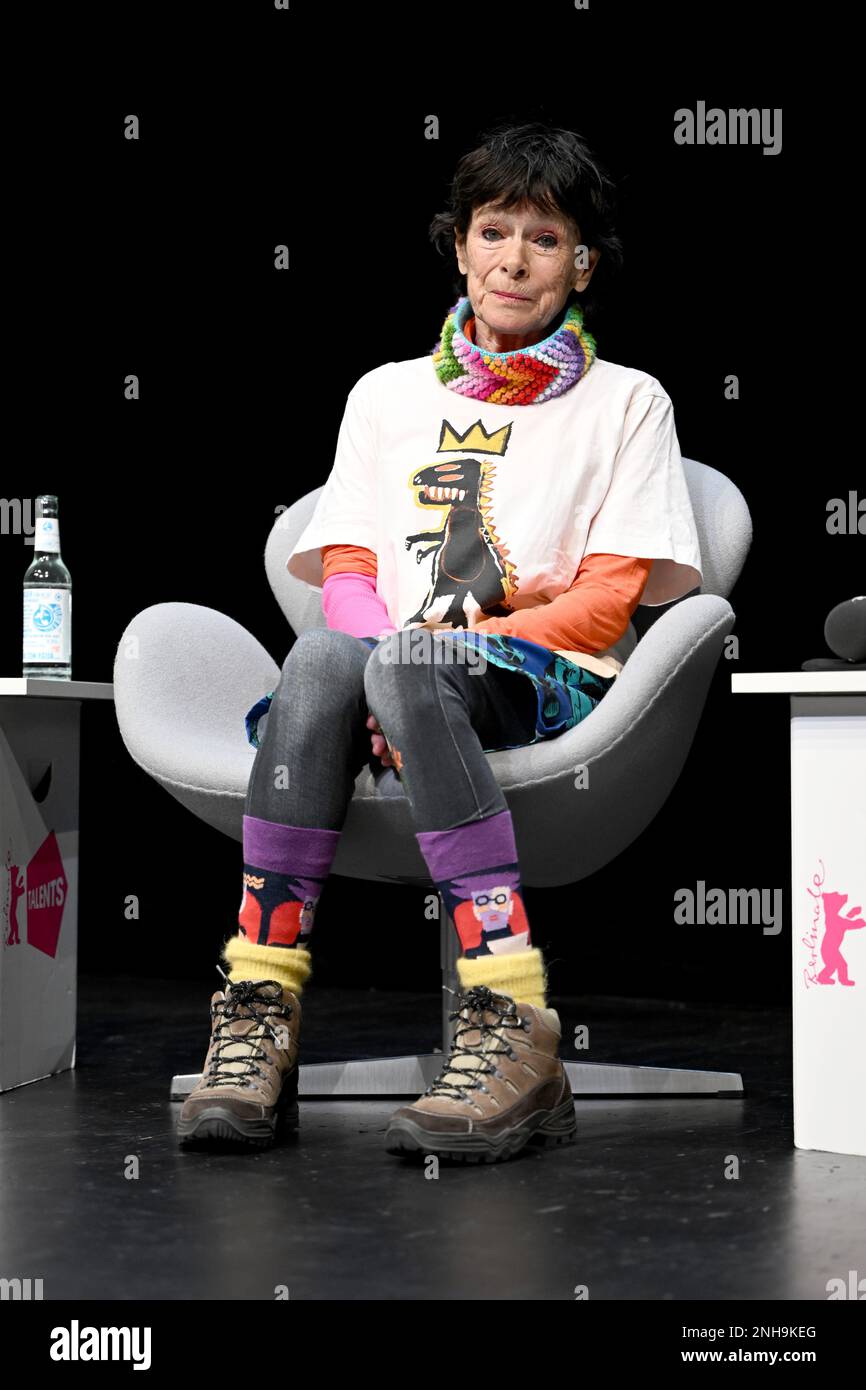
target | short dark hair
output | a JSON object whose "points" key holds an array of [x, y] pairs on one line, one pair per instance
{"points": [[550, 167]]}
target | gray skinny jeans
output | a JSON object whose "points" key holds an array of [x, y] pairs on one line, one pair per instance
{"points": [[438, 715]]}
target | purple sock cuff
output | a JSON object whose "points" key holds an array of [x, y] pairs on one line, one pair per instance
{"points": [[289, 848], [478, 845]]}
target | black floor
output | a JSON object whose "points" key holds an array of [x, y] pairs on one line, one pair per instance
{"points": [[638, 1208]]}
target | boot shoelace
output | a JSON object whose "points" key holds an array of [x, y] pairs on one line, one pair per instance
{"points": [[478, 1000], [244, 994]]}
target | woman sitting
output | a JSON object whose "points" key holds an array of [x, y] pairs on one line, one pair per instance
{"points": [[496, 510]]}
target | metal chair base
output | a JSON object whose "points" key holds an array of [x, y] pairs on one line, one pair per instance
{"points": [[410, 1076]]}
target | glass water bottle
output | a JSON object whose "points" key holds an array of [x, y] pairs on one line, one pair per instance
{"points": [[47, 601]]}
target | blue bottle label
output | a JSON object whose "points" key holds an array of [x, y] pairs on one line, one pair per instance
{"points": [[47, 626]]}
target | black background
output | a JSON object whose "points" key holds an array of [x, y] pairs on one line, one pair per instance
{"points": [[155, 257]]}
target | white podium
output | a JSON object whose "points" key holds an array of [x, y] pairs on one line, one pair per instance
{"points": [[39, 760], [828, 898]]}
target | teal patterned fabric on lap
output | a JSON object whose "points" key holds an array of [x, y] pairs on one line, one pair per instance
{"points": [[566, 693], [251, 720]]}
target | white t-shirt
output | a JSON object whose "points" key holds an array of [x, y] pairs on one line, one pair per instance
{"points": [[499, 504]]}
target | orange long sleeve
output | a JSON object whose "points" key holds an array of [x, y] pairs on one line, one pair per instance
{"points": [[590, 616], [348, 559]]}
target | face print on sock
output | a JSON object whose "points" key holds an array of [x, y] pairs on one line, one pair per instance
{"points": [[488, 912], [277, 909], [308, 912], [494, 908]]}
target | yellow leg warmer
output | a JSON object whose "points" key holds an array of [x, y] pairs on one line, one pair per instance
{"points": [[290, 965], [521, 975]]}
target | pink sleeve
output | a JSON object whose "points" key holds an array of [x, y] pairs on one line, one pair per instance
{"points": [[351, 604]]}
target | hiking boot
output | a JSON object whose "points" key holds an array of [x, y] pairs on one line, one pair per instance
{"points": [[248, 1090], [503, 1086]]}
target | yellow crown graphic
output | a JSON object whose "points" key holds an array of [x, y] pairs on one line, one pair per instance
{"points": [[476, 440]]}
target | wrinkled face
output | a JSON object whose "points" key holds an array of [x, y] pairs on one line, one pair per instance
{"points": [[520, 266], [493, 907]]}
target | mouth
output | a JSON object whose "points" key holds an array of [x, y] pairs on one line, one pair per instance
{"points": [[516, 298], [444, 494]]}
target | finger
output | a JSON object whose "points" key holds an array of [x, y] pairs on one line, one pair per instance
{"points": [[382, 751]]}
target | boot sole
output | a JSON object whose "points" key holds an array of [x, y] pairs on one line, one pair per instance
{"points": [[220, 1126], [544, 1129]]}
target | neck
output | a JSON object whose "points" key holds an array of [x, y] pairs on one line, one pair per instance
{"points": [[493, 341]]}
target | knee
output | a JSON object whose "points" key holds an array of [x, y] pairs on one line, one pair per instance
{"points": [[324, 660], [388, 671], [324, 647], [402, 674]]}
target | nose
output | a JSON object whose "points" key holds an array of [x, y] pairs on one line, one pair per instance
{"points": [[513, 261]]}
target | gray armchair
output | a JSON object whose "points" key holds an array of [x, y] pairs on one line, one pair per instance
{"points": [[633, 745]]}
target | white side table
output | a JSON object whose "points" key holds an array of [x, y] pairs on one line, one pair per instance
{"points": [[828, 899], [40, 722]]}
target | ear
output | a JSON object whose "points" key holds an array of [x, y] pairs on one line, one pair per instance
{"points": [[585, 262]]}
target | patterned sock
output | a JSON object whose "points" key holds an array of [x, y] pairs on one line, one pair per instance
{"points": [[475, 869], [285, 867]]}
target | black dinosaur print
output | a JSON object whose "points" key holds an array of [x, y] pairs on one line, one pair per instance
{"points": [[468, 557]]}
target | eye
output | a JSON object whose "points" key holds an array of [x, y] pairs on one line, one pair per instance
{"points": [[547, 237]]}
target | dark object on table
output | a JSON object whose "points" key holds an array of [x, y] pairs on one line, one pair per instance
{"points": [[845, 634]]}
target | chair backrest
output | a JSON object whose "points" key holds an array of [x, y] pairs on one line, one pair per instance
{"points": [[721, 515], [724, 526]]}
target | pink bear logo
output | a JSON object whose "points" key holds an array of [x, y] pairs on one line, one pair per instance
{"points": [[16, 891], [835, 927]]}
